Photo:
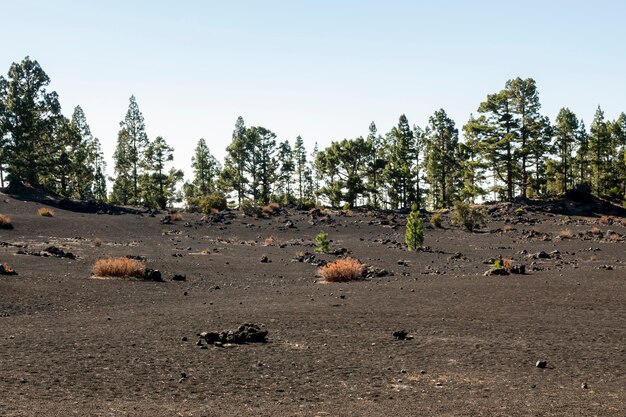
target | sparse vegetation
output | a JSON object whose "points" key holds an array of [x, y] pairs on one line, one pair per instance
{"points": [[596, 231], [177, 216], [249, 208], [97, 242], [321, 242], [414, 235], [436, 220], [45, 212], [270, 240], [606, 220], [212, 203], [6, 269], [467, 216], [271, 208], [342, 270], [5, 222], [508, 228], [119, 267], [565, 234]]}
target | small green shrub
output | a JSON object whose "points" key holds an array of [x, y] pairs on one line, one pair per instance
{"points": [[212, 202], [346, 207], [467, 216], [249, 208], [414, 235], [436, 219], [322, 243]]}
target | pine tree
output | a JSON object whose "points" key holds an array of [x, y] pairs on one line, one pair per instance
{"points": [[565, 131], [443, 167], [376, 164], [233, 176], [158, 186], [31, 116], [206, 168], [300, 167], [285, 173], [582, 157], [132, 142], [401, 172], [472, 165], [599, 148], [414, 235]]}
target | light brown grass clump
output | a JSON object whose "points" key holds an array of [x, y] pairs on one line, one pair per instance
{"points": [[605, 220], [596, 230], [269, 241], [119, 267], [177, 216], [45, 212], [565, 234], [5, 222], [271, 208], [342, 270]]}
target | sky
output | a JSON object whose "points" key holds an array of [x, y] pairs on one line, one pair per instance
{"points": [[320, 69]]}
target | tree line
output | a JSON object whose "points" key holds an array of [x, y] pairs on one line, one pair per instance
{"points": [[508, 150]]}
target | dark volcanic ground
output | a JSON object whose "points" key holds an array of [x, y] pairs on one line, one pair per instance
{"points": [[71, 344]]}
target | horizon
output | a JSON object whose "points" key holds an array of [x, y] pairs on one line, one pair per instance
{"points": [[322, 71]]}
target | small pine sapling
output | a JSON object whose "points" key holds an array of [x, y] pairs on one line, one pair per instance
{"points": [[414, 236], [322, 242]]}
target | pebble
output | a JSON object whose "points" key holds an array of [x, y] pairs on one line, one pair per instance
{"points": [[541, 364]]}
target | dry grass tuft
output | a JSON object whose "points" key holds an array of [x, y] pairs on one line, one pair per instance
{"points": [[593, 258], [119, 267], [271, 208], [508, 228], [596, 231], [269, 241], [342, 270], [615, 237], [565, 234], [605, 220], [45, 212], [5, 222], [507, 264], [97, 242], [177, 216]]}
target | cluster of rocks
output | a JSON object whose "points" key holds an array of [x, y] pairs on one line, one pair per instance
{"points": [[246, 333], [309, 258], [402, 335], [49, 251]]}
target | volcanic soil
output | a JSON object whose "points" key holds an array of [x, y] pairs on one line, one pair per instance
{"points": [[74, 344]]}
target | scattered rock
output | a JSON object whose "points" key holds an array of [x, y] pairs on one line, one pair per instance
{"points": [[265, 259], [167, 219], [246, 333], [584, 385], [402, 335], [178, 277], [541, 364], [152, 274], [496, 271]]}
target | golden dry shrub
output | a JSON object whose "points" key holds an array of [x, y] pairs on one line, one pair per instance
{"points": [[565, 234], [342, 270], [177, 216], [119, 267], [271, 208], [45, 212], [596, 230], [5, 222]]}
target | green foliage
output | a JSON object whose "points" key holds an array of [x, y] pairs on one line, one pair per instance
{"points": [[443, 166], [212, 202], [436, 219], [414, 235], [206, 169], [467, 216], [132, 142], [321, 242], [346, 207], [250, 208]]}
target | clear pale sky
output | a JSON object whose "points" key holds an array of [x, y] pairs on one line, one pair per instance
{"points": [[320, 69]]}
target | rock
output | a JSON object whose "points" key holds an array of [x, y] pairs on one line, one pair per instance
{"points": [[289, 224], [584, 385], [541, 255], [59, 253], [496, 271], [541, 364], [402, 335], [152, 274], [265, 259], [167, 219], [518, 269], [403, 262], [179, 278], [246, 333]]}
